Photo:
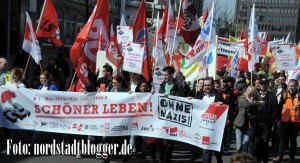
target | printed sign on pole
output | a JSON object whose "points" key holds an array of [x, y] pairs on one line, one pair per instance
{"points": [[285, 57], [133, 60], [124, 35]]}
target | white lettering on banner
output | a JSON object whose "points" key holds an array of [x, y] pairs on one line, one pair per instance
{"points": [[114, 114]]}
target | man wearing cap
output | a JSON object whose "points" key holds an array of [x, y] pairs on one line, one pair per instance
{"points": [[266, 115]]}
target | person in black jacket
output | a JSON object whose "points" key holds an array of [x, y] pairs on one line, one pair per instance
{"points": [[266, 115], [173, 87], [240, 83]]}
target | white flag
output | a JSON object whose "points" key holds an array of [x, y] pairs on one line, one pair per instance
{"points": [[157, 46], [30, 43], [253, 41], [206, 40]]}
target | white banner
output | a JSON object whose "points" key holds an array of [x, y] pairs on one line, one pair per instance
{"points": [[285, 57], [124, 35], [133, 59], [229, 48], [196, 122]]}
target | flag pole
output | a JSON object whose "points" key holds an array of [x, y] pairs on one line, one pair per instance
{"points": [[41, 16], [177, 21], [208, 48]]}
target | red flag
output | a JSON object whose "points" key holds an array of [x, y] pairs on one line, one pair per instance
{"points": [[30, 43], [163, 26], [85, 58], [188, 23], [243, 61], [140, 36], [205, 15], [221, 61], [113, 52], [49, 24]]}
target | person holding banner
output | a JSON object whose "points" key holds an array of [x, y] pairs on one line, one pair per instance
{"points": [[208, 94], [104, 82], [170, 86], [245, 120], [45, 79], [16, 78], [119, 85]]}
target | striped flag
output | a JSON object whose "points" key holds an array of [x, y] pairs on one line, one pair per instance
{"points": [[234, 64]]}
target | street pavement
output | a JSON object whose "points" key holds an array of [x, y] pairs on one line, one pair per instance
{"points": [[181, 154]]}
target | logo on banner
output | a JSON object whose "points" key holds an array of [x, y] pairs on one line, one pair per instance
{"points": [[43, 124], [53, 125], [119, 128], [120, 32], [205, 140], [175, 111], [134, 126], [93, 127], [184, 134], [213, 113], [197, 138], [147, 128], [78, 127], [13, 111], [104, 127], [173, 131], [64, 126], [130, 49]]}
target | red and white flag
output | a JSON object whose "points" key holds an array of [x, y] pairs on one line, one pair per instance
{"points": [[30, 43], [206, 40], [189, 24], [84, 59], [113, 52], [49, 24]]}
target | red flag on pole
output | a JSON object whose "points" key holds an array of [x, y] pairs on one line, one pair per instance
{"points": [[84, 50], [49, 24], [113, 52], [163, 26], [188, 23], [140, 36]]}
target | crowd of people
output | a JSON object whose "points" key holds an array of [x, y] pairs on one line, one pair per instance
{"points": [[262, 109]]}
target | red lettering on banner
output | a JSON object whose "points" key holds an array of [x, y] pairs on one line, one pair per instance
{"points": [[113, 108], [142, 107], [68, 109], [77, 109], [131, 107], [43, 109], [122, 108], [95, 109], [201, 47], [56, 109], [86, 109]]}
